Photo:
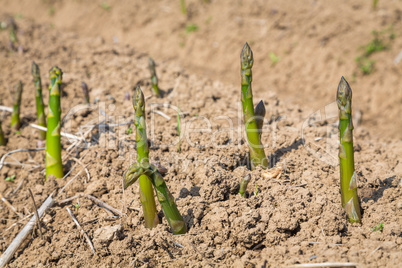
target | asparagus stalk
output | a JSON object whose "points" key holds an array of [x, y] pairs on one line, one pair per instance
{"points": [[2, 138], [53, 146], [40, 107], [154, 78], [165, 198], [15, 116], [86, 92], [350, 200], [243, 184], [252, 121], [146, 192], [13, 34]]}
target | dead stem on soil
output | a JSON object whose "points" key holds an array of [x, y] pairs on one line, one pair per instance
{"points": [[20, 221], [70, 181], [326, 264], [15, 244], [36, 214], [67, 135], [17, 151], [82, 230], [10, 206], [83, 166], [5, 108], [95, 200]]}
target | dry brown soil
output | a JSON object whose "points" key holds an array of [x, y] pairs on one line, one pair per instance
{"points": [[291, 219]]}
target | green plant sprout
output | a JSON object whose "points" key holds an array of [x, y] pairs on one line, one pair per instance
{"points": [[146, 192], [377, 44], [54, 164], [40, 107], [379, 228], [77, 206], [10, 178], [349, 197], [105, 6], [15, 116], [154, 78], [178, 129], [183, 7], [130, 131], [191, 28], [3, 141], [165, 198], [274, 59], [253, 118]]}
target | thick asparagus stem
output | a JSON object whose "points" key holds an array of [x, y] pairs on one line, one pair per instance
{"points": [[154, 78], [350, 200], [53, 146], [146, 192], [257, 154], [243, 184], [15, 116], [85, 91], [165, 198], [40, 107], [2, 138]]}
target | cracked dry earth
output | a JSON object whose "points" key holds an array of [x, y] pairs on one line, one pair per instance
{"points": [[292, 218]]}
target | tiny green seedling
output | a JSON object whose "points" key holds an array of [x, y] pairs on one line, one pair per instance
{"points": [[10, 178], [255, 190], [105, 6], [274, 59], [178, 128], [378, 228], [191, 28], [77, 206], [130, 131]]}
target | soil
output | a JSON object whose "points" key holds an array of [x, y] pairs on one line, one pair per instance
{"points": [[293, 218]]}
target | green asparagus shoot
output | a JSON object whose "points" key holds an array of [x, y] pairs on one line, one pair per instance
{"points": [[3, 141], [85, 90], [13, 34], [15, 116], [178, 128], [154, 78], [183, 7], [165, 198], [146, 192], [40, 107], [243, 184], [10, 178], [253, 118], [349, 197], [53, 145]]}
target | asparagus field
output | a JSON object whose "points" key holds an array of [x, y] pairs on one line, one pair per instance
{"points": [[262, 176]]}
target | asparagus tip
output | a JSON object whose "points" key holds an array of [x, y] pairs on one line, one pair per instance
{"points": [[35, 70], [138, 96], [260, 109], [246, 57], [344, 91]]}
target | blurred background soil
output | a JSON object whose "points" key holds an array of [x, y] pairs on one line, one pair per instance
{"points": [[301, 48]]}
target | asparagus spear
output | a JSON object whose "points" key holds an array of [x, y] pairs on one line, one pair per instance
{"points": [[243, 184], [146, 191], [15, 116], [53, 146], [86, 92], [2, 138], [252, 123], [13, 34], [154, 78], [165, 198], [40, 107], [350, 200]]}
